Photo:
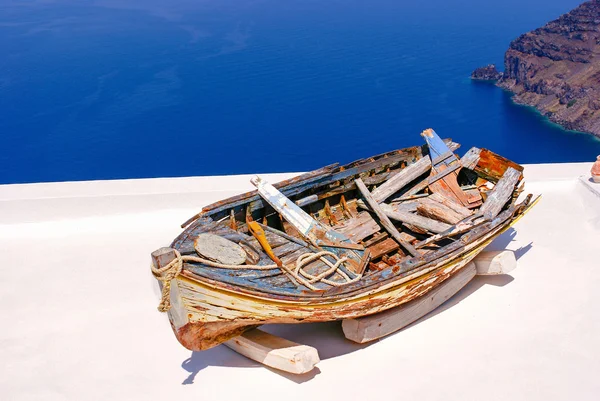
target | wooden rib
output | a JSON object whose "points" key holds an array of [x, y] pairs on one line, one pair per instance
{"points": [[275, 352], [385, 221]]}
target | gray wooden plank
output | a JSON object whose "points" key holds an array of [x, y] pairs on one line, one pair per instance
{"points": [[383, 218]]}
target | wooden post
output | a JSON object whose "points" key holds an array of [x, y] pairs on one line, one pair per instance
{"points": [[275, 352], [162, 257], [177, 315], [369, 328], [383, 219]]}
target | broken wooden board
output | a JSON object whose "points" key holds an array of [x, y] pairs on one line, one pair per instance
{"points": [[359, 228], [458, 208], [445, 169], [438, 211], [384, 220], [490, 263], [424, 223], [501, 194], [404, 177], [383, 248], [275, 352], [369, 328]]}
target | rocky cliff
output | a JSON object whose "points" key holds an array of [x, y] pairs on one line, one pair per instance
{"points": [[556, 69]]}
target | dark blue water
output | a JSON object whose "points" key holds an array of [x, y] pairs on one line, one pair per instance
{"points": [[126, 89]]}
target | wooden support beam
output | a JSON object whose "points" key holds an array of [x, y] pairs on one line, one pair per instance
{"points": [[383, 219], [369, 328], [501, 194], [489, 263], [275, 352]]}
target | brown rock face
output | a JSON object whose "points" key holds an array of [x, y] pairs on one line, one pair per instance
{"points": [[487, 73], [556, 69]]}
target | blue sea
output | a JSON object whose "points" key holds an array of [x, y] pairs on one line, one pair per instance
{"points": [[128, 89]]}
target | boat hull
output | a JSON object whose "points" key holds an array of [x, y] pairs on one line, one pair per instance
{"points": [[205, 314]]}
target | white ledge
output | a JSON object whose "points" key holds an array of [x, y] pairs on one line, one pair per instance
{"points": [[80, 319]]}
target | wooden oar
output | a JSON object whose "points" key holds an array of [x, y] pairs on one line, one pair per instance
{"points": [[444, 171], [315, 232]]}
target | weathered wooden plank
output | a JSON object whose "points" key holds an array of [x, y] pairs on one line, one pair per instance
{"points": [[443, 173], [289, 247], [489, 263], [467, 158], [385, 221], [458, 208], [275, 352], [447, 183], [471, 158], [403, 178], [435, 210], [375, 239], [284, 235], [398, 213], [501, 193], [474, 197], [400, 180], [359, 227], [382, 248], [414, 219], [369, 328], [406, 206], [452, 231]]}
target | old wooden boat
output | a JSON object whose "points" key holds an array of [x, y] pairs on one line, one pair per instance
{"points": [[336, 243]]}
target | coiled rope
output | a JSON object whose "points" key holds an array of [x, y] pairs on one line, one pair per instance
{"points": [[170, 271]]}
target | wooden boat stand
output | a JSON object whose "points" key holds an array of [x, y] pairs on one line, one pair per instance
{"points": [[282, 354]]}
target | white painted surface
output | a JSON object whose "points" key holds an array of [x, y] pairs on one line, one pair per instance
{"points": [[490, 263], [79, 319]]}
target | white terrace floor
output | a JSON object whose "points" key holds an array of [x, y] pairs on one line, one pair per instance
{"points": [[79, 319]]}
